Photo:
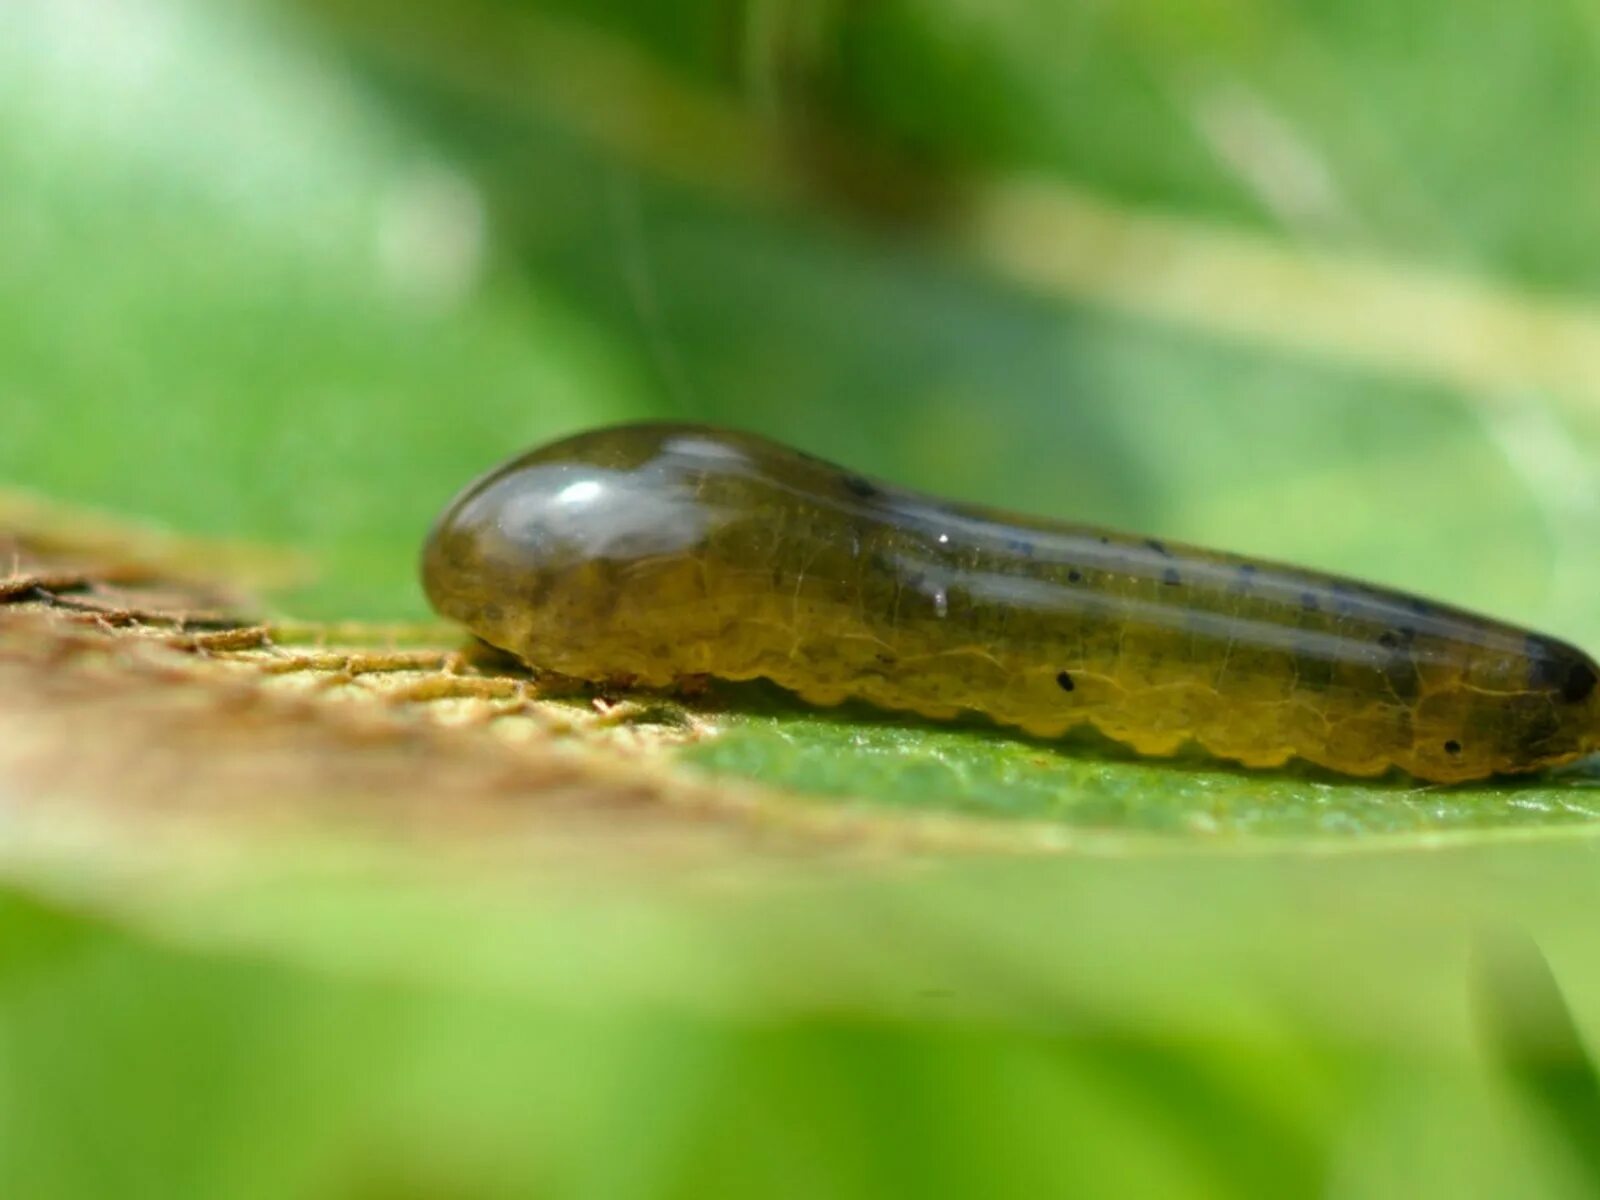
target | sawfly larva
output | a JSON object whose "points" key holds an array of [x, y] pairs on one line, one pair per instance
{"points": [[659, 552]]}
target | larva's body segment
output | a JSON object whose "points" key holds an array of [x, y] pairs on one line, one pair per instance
{"points": [[664, 551]]}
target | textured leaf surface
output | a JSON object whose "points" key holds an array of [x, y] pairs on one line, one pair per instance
{"points": [[381, 868], [856, 756]]}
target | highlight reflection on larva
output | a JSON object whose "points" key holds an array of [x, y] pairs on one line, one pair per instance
{"points": [[656, 552]]}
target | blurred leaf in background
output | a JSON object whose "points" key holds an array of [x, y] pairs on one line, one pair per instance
{"points": [[1304, 280], [240, 299], [1218, 271]]}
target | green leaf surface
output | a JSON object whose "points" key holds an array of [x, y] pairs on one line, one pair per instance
{"points": [[859, 757]]}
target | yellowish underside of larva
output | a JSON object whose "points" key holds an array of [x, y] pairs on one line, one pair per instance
{"points": [[1149, 687]]}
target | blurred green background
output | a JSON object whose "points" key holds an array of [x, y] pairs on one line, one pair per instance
{"points": [[1311, 281], [295, 273]]}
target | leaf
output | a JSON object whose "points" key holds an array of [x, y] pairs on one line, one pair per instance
{"points": [[353, 819], [858, 757]]}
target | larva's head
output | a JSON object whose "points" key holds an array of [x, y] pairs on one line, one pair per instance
{"points": [[580, 556]]}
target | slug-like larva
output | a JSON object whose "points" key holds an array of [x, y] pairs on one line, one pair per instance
{"points": [[658, 552]]}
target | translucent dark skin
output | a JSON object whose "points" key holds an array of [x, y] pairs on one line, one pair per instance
{"points": [[659, 552]]}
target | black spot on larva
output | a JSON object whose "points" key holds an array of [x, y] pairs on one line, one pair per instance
{"points": [[1388, 639], [1065, 681], [1452, 747], [858, 485], [1170, 577], [1074, 575], [1158, 546], [1579, 683], [1553, 667], [1308, 601], [1104, 540]]}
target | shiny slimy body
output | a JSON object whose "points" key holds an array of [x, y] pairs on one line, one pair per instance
{"points": [[658, 552]]}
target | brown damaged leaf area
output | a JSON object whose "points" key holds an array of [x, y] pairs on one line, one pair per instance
{"points": [[125, 688], [135, 690]]}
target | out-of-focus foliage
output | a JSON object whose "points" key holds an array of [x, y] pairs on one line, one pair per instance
{"points": [[1313, 281], [470, 226]]}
